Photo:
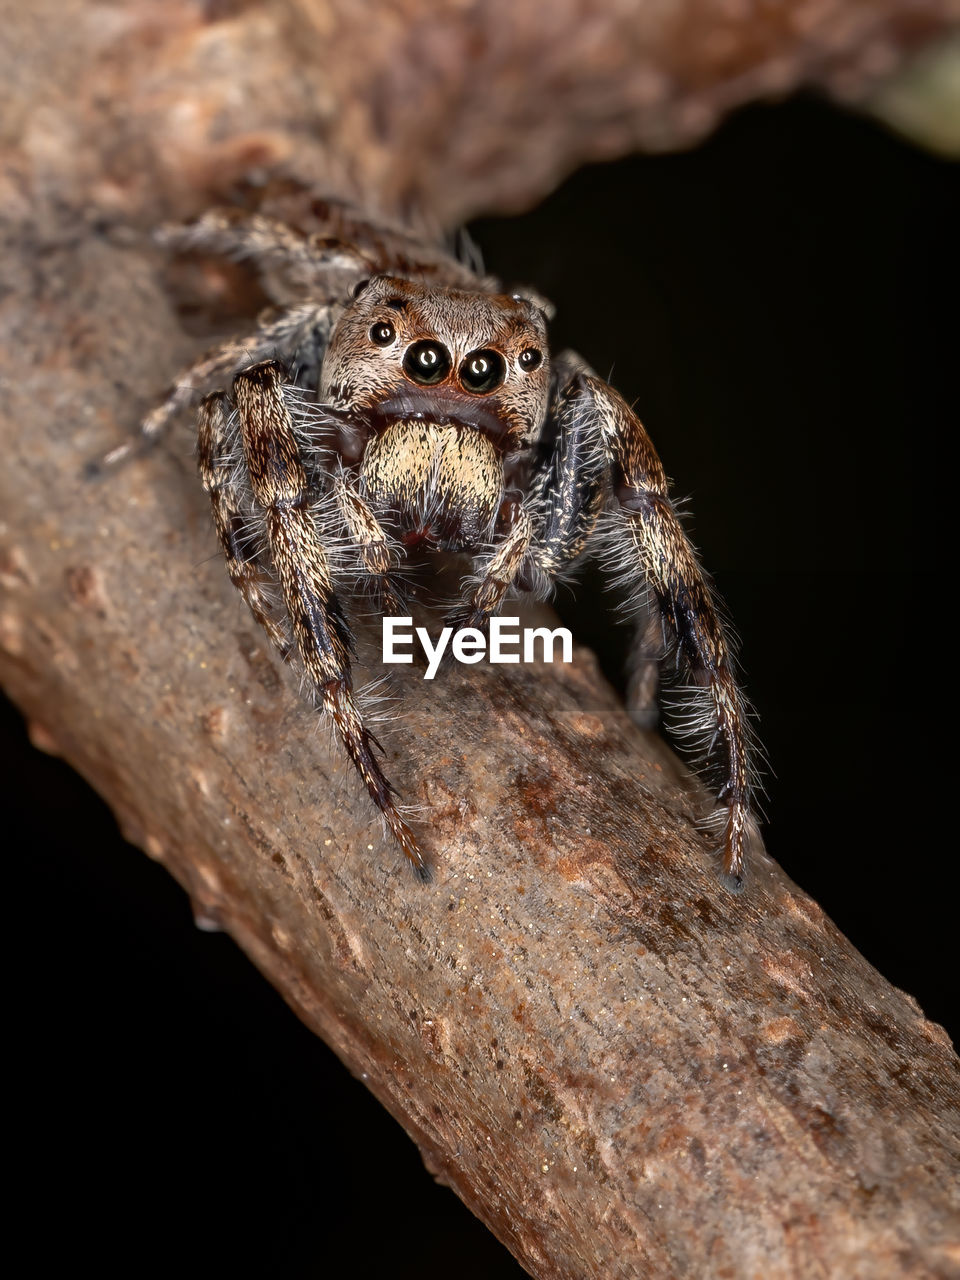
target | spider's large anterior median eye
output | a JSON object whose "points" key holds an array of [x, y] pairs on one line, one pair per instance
{"points": [[426, 362], [530, 359], [483, 371], [382, 333]]}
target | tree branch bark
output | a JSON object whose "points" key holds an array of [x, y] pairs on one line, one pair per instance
{"points": [[623, 1070]]}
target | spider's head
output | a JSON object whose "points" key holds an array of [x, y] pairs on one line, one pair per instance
{"points": [[480, 360]]}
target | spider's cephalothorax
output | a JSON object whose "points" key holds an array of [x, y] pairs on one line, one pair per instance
{"points": [[397, 399]]}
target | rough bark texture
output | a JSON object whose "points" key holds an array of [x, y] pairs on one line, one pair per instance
{"points": [[621, 1068]]}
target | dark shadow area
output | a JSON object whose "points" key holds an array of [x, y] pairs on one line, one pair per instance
{"points": [[773, 303]]}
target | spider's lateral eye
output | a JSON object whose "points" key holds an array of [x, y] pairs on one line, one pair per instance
{"points": [[530, 359], [359, 287], [483, 371], [426, 362], [382, 333]]}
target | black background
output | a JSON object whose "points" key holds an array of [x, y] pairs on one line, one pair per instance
{"points": [[774, 303]]}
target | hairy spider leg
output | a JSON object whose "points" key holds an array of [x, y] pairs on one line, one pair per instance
{"points": [[543, 535], [569, 489], [376, 551], [306, 263], [643, 671], [596, 438], [238, 536], [280, 486], [499, 571], [325, 263], [284, 334], [570, 484], [650, 543]]}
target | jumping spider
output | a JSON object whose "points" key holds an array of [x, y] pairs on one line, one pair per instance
{"points": [[396, 397]]}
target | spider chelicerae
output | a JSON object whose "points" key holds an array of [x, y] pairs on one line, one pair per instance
{"points": [[395, 397]]}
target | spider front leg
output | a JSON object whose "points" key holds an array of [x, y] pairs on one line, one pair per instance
{"points": [[498, 574], [568, 491], [643, 671], [570, 481], [650, 543], [376, 552], [544, 535], [280, 486]]}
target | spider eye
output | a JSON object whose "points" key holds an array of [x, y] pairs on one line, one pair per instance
{"points": [[382, 333], [482, 371], [530, 359], [426, 362]]}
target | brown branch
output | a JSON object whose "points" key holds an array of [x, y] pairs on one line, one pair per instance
{"points": [[153, 108], [620, 1068]]}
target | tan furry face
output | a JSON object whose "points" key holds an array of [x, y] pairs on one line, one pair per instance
{"points": [[448, 479], [477, 359]]}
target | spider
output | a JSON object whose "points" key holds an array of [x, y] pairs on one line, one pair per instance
{"points": [[395, 397]]}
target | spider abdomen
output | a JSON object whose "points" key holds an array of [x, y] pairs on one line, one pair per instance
{"points": [[445, 481]]}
